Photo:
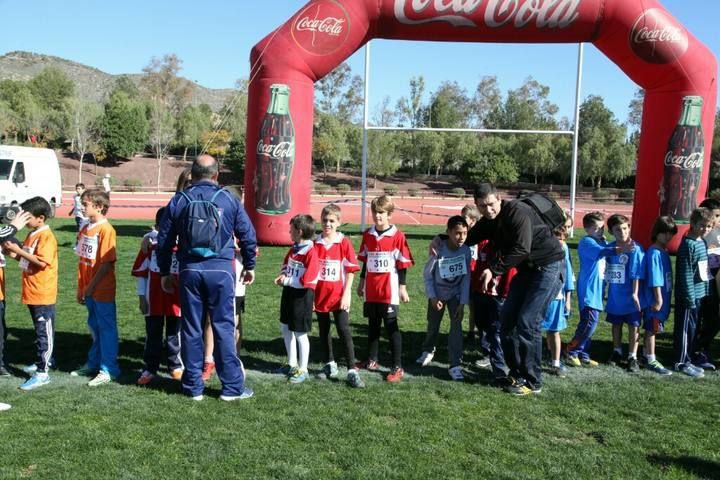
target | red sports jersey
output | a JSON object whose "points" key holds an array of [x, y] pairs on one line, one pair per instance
{"points": [[384, 254], [502, 282], [301, 267], [336, 260], [146, 269]]}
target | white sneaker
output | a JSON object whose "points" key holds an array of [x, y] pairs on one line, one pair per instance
{"points": [[4, 406], [197, 398], [456, 373], [425, 358], [100, 379]]}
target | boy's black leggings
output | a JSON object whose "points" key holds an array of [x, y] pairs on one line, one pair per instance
{"points": [[709, 323], [342, 325], [393, 332]]}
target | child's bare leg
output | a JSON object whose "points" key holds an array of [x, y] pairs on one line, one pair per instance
{"points": [[633, 340]]}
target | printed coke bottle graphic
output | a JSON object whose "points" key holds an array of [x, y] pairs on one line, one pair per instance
{"points": [[683, 163], [275, 154]]}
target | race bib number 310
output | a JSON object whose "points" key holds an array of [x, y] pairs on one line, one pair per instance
{"points": [[380, 262]]}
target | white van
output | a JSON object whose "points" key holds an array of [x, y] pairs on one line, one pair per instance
{"points": [[27, 172]]}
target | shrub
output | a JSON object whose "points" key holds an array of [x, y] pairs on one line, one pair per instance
{"points": [[342, 189], [413, 192], [132, 184], [458, 192], [322, 189], [390, 190], [626, 194], [601, 195]]}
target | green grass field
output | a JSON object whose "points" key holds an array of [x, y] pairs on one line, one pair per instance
{"points": [[598, 423]]}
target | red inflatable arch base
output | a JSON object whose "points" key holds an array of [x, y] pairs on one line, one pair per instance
{"points": [[677, 72]]}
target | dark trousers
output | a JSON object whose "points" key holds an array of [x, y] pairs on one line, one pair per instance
{"points": [[3, 333], [154, 342], [209, 288], [531, 291], [709, 323], [684, 330], [580, 344], [43, 317], [487, 317], [393, 333], [342, 325]]}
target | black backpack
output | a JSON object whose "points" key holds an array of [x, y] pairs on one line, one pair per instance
{"points": [[201, 227], [547, 209]]}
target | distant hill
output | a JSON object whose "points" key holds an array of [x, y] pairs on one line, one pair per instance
{"points": [[90, 82]]}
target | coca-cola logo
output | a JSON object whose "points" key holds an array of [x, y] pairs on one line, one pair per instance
{"points": [[684, 162], [497, 13], [278, 151], [321, 28], [657, 38]]}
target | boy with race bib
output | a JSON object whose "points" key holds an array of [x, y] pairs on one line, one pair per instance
{"points": [[97, 249], [386, 257], [692, 285], [623, 274], [447, 284], [161, 309], [298, 277], [38, 259], [333, 294]]}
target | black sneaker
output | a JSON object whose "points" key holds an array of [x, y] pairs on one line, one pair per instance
{"points": [[521, 388], [4, 372], [615, 359], [632, 365]]}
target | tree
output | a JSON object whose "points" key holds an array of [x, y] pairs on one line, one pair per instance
{"points": [[51, 88], [715, 152], [192, 124], [27, 116], [410, 112], [382, 158], [449, 107], [126, 84], [430, 147], [162, 133], [635, 116], [85, 120], [540, 158], [124, 126], [493, 162], [603, 151], [160, 82], [486, 99], [340, 93], [329, 144], [525, 108]]}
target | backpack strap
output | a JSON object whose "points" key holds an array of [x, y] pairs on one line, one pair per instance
{"points": [[212, 199]]}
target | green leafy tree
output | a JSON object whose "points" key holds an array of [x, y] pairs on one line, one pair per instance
{"points": [[124, 126], [493, 163], [126, 84], [487, 98], [340, 93], [192, 124], [449, 107], [430, 147], [160, 82], [382, 154], [52, 88], [410, 112], [329, 142], [85, 118]]}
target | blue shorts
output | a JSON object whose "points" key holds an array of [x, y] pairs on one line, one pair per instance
{"points": [[651, 322], [555, 318], [633, 319]]}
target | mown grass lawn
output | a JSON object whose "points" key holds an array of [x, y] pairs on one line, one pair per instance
{"points": [[599, 423]]}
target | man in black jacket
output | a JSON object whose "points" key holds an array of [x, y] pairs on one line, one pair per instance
{"points": [[522, 240]]}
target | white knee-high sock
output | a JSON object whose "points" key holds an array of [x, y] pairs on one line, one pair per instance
{"points": [[289, 339], [303, 350]]}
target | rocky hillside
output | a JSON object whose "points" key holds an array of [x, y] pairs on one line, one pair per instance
{"points": [[90, 82]]}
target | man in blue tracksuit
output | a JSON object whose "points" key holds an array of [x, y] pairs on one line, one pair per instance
{"points": [[208, 284]]}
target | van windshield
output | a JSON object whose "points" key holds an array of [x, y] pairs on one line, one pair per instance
{"points": [[5, 167]]}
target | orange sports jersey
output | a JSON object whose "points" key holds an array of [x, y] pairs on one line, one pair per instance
{"points": [[97, 245], [39, 285]]}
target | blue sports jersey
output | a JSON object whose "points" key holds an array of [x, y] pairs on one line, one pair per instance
{"points": [[658, 273], [620, 272], [590, 283]]}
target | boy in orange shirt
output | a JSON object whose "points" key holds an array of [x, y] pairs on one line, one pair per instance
{"points": [[96, 248], [38, 259]]}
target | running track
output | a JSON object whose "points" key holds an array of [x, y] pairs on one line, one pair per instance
{"points": [[408, 211]]}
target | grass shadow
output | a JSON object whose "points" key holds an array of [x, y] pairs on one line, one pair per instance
{"points": [[697, 466]]}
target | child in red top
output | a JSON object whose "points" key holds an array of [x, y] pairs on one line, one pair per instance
{"points": [[338, 265], [160, 309], [487, 305], [386, 257], [298, 277]]}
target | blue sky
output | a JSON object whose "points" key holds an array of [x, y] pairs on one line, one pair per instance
{"points": [[214, 37]]}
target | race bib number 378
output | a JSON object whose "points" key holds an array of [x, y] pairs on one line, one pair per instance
{"points": [[87, 247]]}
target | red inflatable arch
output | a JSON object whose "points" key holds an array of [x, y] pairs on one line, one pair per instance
{"points": [[677, 72]]}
